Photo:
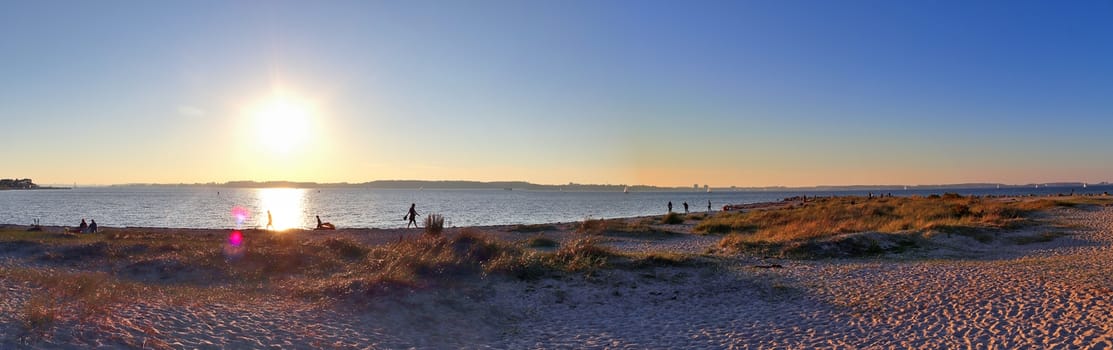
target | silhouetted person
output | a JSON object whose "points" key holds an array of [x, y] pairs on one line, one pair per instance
{"points": [[685, 207], [412, 215], [709, 205], [324, 225], [83, 227], [270, 221], [670, 206], [92, 226]]}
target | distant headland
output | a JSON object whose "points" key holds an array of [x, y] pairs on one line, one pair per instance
{"points": [[24, 184]]}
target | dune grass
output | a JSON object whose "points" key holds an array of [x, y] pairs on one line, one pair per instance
{"points": [[434, 224], [541, 242], [950, 213], [672, 219], [63, 295], [98, 268], [77, 279], [623, 228]]}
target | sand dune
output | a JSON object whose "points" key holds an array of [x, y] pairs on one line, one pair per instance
{"points": [[1053, 294]]}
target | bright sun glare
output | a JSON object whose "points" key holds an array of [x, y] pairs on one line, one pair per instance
{"points": [[286, 206], [283, 123]]}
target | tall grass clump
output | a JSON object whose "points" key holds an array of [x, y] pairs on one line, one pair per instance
{"points": [[949, 213], [592, 226], [434, 224], [581, 254], [672, 219], [620, 227]]}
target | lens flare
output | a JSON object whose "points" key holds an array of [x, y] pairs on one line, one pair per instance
{"points": [[235, 239], [235, 248], [240, 214]]}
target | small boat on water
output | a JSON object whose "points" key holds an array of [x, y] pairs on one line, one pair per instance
{"points": [[626, 189]]}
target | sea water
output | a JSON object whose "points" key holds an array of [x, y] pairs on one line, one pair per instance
{"points": [[212, 207]]}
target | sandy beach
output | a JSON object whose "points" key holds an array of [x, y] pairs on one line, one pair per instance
{"points": [[961, 295]]}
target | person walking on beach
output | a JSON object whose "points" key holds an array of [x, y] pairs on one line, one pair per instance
{"points": [[670, 206], [412, 215], [685, 207], [270, 221], [708, 205]]}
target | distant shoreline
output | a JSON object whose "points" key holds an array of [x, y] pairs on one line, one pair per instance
{"points": [[36, 188], [573, 187]]}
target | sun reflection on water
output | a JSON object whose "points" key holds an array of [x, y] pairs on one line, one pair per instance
{"points": [[286, 205]]}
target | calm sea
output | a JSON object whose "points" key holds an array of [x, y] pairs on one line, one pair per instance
{"points": [[295, 208]]}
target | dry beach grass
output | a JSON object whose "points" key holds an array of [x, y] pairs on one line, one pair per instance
{"points": [[637, 282]]}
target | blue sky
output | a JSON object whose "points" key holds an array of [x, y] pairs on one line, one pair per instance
{"points": [[742, 93]]}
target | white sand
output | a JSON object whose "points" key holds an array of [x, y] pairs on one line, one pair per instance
{"points": [[1046, 295]]}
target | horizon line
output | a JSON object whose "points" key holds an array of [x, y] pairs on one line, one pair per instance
{"points": [[701, 186]]}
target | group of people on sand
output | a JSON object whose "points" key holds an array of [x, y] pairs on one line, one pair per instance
{"points": [[686, 206], [90, 227]]}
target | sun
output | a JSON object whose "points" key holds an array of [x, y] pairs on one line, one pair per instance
{"points": [[283, 123]]}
